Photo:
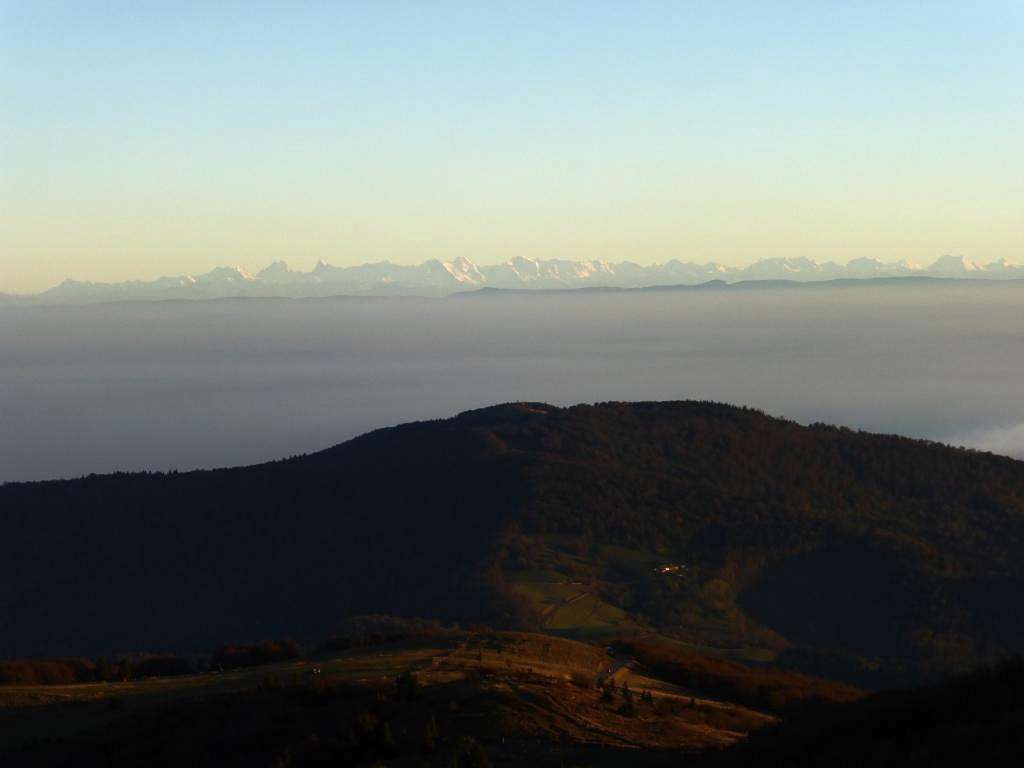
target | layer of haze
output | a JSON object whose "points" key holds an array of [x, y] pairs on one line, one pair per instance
{"points": [[199, 384], [143, 138]]}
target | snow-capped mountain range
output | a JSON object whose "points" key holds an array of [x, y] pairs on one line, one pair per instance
{"points": [[441, 278]]}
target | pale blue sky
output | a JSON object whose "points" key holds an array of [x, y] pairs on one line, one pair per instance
{"points": [[142, 138]]}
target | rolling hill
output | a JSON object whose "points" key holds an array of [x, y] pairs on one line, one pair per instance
{"points": [[874, 559]]}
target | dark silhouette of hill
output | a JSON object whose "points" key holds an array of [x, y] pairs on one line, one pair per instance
{"points": [[976, 719], [871, 558]]}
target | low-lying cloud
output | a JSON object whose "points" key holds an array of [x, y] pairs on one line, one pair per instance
{"points": [[1008, 441], [181, 385]]}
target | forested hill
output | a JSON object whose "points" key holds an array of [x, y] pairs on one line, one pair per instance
{"points": [[840, 552]]}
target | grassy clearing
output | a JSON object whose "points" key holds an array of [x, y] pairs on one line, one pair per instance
{"points": [[637, 563], [591, 616], [575, 608]]}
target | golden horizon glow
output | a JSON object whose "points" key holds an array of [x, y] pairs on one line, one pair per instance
{"points": [[168, 143]]}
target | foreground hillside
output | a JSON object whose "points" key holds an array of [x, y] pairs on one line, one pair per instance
{"points": [[976, 719], [448, 698], [871, 558]]}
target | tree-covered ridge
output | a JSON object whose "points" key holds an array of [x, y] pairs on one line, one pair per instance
{"points": [[893, 551], [871, 557]]}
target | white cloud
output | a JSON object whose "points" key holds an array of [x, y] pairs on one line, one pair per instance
{"points": [[1008, 441]]}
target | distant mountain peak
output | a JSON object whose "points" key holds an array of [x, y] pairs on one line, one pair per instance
{"points": [[954, 264], [1002, 264], [465, 271], [226, 274], [276, 267]]}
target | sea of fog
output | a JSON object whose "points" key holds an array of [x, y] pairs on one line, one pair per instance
{"points": [[201, 384]]}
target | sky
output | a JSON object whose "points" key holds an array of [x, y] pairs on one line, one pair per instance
{"points": [[140, 139]]}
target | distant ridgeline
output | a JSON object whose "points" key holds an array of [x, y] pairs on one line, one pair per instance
{"points": [[870, 558], [442, 278]]}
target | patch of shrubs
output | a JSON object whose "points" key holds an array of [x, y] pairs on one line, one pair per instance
{"points": [[374, 630], [74, 671], [266, 652], [165, 665], [407, 687], [761, 687], [47, 671]]}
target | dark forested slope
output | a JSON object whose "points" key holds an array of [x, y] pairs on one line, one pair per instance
{"points": [[976, 719], [840, 552]]}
